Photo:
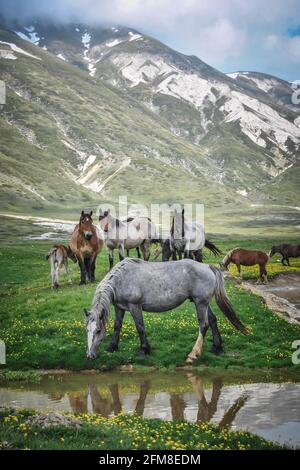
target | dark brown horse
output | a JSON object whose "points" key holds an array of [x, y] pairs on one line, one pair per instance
{"points": [[242, 257], [286, 251], [86, 245]]}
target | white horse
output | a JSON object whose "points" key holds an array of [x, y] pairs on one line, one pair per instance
{"points": [[135, 232], [188, 237]]}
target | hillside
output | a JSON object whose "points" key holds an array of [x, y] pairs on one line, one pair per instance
{"points": [[66, 139], [92, 113]]}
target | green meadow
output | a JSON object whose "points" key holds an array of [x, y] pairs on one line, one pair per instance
{"points": [[123, 432], [44, 328]]}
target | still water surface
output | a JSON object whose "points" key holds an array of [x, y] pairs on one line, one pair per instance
{"points": [[266, 405]]}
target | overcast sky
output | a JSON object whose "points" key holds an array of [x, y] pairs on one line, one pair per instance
{"points": [[261, 35]]}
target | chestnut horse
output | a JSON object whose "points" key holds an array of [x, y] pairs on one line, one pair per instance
{"points": [[242, 257], [86, 245]]}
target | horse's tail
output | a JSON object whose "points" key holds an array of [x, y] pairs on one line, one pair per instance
{"points": [[212, 247], [224, 303]]}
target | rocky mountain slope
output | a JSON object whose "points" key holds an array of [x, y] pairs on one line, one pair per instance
{"points": [[69, 140], [111, 110], [245, 122]]}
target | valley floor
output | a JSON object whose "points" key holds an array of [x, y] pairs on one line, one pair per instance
{"points": [[44, 329]]}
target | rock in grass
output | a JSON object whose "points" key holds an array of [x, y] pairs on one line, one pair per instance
{"points": [[53, 419]]}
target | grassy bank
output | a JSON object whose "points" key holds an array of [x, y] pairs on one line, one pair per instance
{"points": [[122, 432], [43, 328]]}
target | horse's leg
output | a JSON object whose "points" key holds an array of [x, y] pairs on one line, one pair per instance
{"points": [[202, 317], [198, 256], [288, 261], [217, 347], [52, 272], [87, 263], [114, 342], [82, 271], [137, 314], [138, 252], [93, 267], [56, 275], [174, 257], [111, 258], [180, 255], [68, 271], [263, 273], [145, 247], [121, 252], [128, 253]]}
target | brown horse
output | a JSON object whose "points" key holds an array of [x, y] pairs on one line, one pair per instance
{"points": [[242, 257], [286, 251], [86, 244]]}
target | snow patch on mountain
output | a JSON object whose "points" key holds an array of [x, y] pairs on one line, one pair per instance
{"points": [[86, 41], [17, 49], [133, 36], [62, 57], [7, 54], [113, 43], [30, 35], [265, 84], [256, 117], [242, 192]]}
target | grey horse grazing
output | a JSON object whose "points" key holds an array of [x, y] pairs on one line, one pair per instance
{"points": [[138, 286]]}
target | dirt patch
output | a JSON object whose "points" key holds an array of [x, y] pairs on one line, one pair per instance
{"points": [[281, 294]]}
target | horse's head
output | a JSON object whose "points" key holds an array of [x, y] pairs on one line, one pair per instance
{"points": [[95, 329], [103, 220], [86, 225], [71, 255], [272, 251]]}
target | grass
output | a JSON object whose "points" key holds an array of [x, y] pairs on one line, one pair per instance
{"points": [[123, 432], [43, 328]]}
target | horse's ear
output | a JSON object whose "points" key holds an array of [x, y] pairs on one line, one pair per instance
{"points": [[82, 213], [182, 211], [91, 213]]}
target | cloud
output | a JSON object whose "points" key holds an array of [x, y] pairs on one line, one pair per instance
{"points": [[228, 34]]}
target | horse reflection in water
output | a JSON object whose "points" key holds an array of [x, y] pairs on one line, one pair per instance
{"points": [[99, 402]]}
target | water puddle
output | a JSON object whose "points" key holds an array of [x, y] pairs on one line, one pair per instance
{"points": [[282, 294], [265, 405]]}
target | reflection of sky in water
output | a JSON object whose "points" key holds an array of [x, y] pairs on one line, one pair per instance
{"points": [[268, 409]]}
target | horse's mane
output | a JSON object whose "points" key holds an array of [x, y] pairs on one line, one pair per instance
{"points": [[229, 254], [105, 292]]}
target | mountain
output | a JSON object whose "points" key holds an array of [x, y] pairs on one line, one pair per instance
{"points": [[244, 122], [93, 112], [68, 140]]}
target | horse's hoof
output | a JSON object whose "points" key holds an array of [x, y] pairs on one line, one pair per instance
{"points": [[82, 283], [143, 353], [189, 360], [217, 351], [111, 349]]}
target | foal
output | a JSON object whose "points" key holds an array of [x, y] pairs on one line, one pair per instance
{"points": [[58, 256]]}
